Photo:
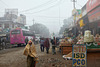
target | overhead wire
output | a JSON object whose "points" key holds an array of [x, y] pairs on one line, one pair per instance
{"points": [[44, 4], [79, 5], [4, 3], [45, 8], [49, 17]]}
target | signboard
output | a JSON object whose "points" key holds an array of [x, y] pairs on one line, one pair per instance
{"points": [[91, 4], [2, 35], [74, 11], [78, 11], [79, 56], [94, 15]]}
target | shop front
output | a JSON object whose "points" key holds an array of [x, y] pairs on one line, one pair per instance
{"points": [[93, 9]]}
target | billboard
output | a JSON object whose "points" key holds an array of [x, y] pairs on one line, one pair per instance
{"points": [[91, 4], [79, 55], [11, 11]]}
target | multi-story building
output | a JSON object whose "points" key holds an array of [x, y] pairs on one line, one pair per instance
{"points": [[11, 20]]}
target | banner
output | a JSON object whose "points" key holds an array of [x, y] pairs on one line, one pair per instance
{"points": [[81, 23], [79, 55]]}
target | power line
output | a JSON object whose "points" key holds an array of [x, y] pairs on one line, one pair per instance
{"points": [[49, 17], [48, 2], [4, 3], [45, 8], [79, 5]]}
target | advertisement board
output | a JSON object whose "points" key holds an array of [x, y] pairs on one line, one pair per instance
{"points": [[94, 15], [91, 4], [79, 55]]}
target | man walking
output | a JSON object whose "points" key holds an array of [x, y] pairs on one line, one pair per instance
{"points": [[42, 44], [53, 41]]}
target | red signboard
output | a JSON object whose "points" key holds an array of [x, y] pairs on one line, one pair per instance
{"points": [[94, 15], [92, 4]]}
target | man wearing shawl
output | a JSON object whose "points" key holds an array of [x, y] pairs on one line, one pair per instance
{"points": [[47, 45], [30, 52]]}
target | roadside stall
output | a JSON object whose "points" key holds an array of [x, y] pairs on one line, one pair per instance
{"points": [[93, 48], [66, 46]]}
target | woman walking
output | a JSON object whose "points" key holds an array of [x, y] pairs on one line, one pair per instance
{"points": [[30, 52]]}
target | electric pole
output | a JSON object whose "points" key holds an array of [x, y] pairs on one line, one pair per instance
{"points": [[74, 15], [74, 3]]}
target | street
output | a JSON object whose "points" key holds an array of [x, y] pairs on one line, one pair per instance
{"points": [[14, 57]]}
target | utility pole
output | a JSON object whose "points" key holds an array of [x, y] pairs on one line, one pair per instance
{"points": [[74, 3], [74, 15]]}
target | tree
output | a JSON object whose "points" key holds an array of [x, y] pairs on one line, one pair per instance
{"points": [[40, 29]]}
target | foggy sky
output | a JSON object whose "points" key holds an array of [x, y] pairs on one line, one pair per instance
{"points": [[48, 17]]}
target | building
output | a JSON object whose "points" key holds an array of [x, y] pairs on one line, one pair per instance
{"points": [[11, 20], [22, 19]]}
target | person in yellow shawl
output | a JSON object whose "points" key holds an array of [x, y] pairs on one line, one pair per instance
{"points": [[30, 52]]}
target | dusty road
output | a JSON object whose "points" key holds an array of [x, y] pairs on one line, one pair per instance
{"points": [[14, 58]]}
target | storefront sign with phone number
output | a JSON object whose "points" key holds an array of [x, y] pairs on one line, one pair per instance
{"points": [[79, 55]]}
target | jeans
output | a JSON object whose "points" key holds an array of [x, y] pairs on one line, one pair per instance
{"points": [[47, 50], [53, 50], [42, 48]]}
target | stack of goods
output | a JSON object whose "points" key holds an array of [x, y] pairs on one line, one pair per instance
{"points": [[66, 41], [62, 42], [80, 40], [97, 38], [88, 38], [70, 41]]}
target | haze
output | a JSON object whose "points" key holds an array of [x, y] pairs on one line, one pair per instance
{"points": [[46, 12]]}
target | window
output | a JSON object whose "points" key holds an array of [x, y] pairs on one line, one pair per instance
{"points": [[15, 32], [28, 33]]}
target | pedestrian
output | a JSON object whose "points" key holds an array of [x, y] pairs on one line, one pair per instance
{"points": [[30, 52], [53, 41], [42, 44], [4, 42], [47, 45], [0, 44], [26, 40]]}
